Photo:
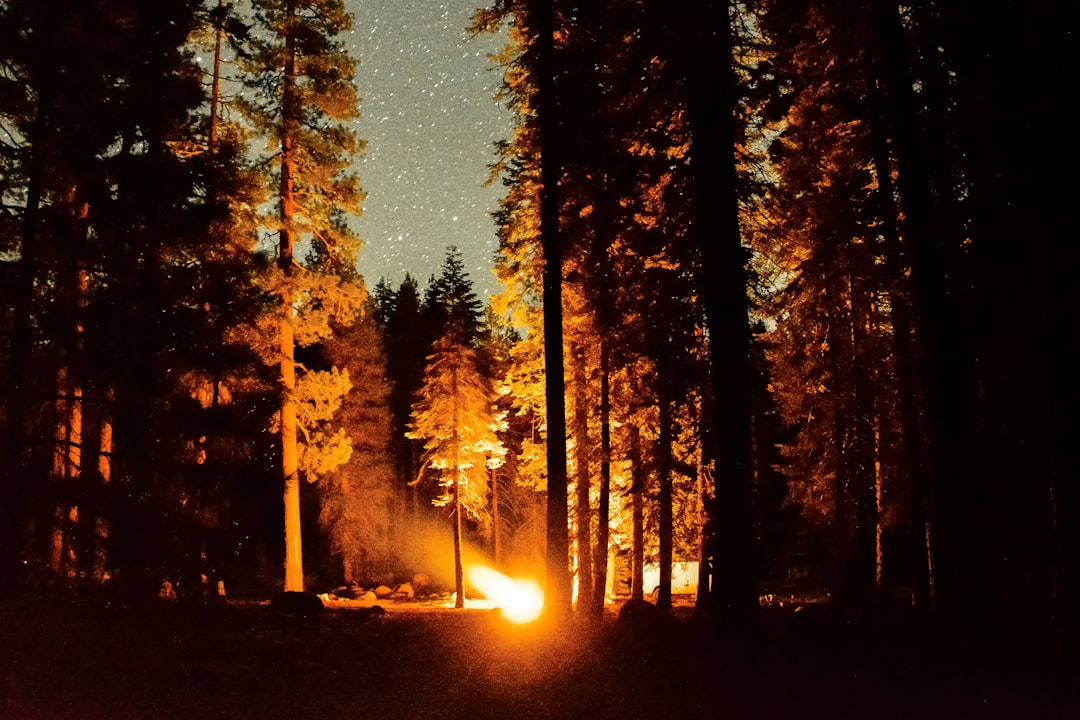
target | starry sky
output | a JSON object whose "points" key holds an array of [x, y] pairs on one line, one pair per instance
{"points": [[428, 114]]}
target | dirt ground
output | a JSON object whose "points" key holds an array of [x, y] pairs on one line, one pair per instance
{"points": [[62, 659]]}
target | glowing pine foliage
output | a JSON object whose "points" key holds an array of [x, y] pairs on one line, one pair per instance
{"points": [[456, 417], [356, 501], [299, 97]]}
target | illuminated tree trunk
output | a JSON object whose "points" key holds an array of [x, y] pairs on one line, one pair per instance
{"points": [[663, 471], [290, 456], [215, 83], [637, 498], [67, 453], [879, 555], [600, 554], [101, 523], [294, 572], [581, 482], [495, 539], [64, 470], [459, 570]]}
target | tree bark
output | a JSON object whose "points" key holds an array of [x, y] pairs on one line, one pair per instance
{"points": [[905, 352], [582, 483], [290, 456], [962, 555], [495, 540], [557, 591], [600, 553], [637, 498], [666, 511], [711, 103], [865, 427], [101, 522], [459, 570], [215, 84]]}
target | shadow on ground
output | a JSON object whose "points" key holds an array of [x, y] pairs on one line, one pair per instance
{"points": [[63, 659]]}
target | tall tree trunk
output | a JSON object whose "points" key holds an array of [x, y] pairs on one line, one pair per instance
{"points": [[290, 456], [600, 554], [841, 573], [68, 451], [459, 570], [101, 521], [637, 497], [706, 483], [865, 408], [582, 484], [215, 83], [879, 553], [495, 539], [62, 469], [960, 497], [711, 94], [909, 389], [666, 510], [557, 591]]}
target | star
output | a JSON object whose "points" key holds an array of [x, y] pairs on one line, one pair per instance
{"points": [[430, 119]]}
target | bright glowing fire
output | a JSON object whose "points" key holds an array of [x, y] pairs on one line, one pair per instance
{"points": [[521, 601]]}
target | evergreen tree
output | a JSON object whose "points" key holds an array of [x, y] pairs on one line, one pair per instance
{"points": [[301, 93], [401, 319], [831, 358], [622, 215], [451, 304], [358, 500], [120, 271], [456, 419]]}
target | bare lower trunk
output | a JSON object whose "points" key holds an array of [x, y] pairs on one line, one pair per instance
{"points": [[290, 462], [879, 557], [496, 545], [581, 483], [101, 523], [637, 496], [663, 598], [290, 454], [600, 551], [459, 570], [708, 68]]}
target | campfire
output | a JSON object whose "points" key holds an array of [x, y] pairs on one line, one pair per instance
{"points": [[520, 600]]}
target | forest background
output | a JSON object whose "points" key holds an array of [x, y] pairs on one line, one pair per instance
{"points": [[800, 274]]}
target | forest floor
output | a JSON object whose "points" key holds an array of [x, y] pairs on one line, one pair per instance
{"points": [[64, 659]]}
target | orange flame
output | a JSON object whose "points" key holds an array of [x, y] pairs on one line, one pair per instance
{"points": [[521, 600]]}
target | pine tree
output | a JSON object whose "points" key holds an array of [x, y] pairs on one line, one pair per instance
{"points": [[118, 271], [358, 500], [301, 94], [622, 214], [451, 304], [456, 419], [400, 316]]}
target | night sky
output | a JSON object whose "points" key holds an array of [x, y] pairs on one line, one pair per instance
{"points": [[430, 119]]}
